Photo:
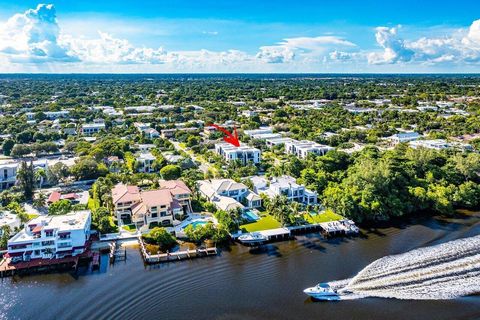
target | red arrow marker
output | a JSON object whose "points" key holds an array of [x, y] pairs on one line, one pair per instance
{"points": [[229, 137]]}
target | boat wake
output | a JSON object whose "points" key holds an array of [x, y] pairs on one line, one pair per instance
{"points": [[444, 271]]}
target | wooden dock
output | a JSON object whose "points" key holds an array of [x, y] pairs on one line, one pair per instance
{"points": [[7, 268], [175, 256], [326, 229], [117, 253]]}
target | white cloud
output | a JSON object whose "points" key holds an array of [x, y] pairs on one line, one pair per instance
{"points": [[107, 49], [32, 36], [305, 47], [275, 54], [459, 47], [394, 49]]}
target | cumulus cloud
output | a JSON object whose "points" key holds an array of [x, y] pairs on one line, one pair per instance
{"points": [[275, 54], [107, 49], [286, 50], [394, 48], [459, 47], [33, 36]]}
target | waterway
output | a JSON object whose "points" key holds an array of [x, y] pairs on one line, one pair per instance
{"points": [[242, 283]]}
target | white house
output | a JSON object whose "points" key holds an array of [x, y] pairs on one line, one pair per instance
{"points": [[238, 194], [92, 128], [261, 130], [302, 148], [49, 237], [8, 171], [439, 144], [284, 186], [146, 162], [245, 154], [404, 137]]}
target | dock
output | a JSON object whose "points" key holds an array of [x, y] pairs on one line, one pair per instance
{"points": [[8, 268], [116, 253], [175, 256], [326, 229]]}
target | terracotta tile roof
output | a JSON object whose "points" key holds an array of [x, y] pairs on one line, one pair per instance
{"points": [[153, 198], [175, 186], [124, 193], [54, 197]]}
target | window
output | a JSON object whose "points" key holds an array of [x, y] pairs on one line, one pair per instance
{"points": [[154, 214], [49, 233]]}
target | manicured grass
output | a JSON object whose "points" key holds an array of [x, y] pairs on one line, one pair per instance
{"points": [[265, 223], [326, 216], [32, 216], [130, 227]]}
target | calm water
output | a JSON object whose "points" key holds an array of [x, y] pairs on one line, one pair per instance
{"points": [[241, 284]]}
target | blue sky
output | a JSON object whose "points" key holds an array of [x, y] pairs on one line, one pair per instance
{"points": [[240, 36]]}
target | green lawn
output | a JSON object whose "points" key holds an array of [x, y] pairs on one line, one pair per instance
{"points": [[325, 216], [129, 227], [265, 223], [32, 216]]}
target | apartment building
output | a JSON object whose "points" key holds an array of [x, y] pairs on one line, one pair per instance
{"points": [[245, 154], [302, 148], [8, 172], [48, 237]]}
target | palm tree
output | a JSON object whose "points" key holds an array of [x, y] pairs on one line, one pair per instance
{"points": [[40, 176]]}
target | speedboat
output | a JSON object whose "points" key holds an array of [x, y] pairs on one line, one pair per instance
{"points": [[322, 291], [252, 238]]}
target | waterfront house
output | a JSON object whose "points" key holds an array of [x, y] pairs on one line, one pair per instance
{"points": [[284, 186], [47, 237], [216, 190], [161, 207]]}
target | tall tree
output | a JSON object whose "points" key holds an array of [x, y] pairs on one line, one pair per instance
{"points": [[26, 179]]}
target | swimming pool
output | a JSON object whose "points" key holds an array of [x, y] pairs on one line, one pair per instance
{"points": [[250, 215], [197, 223]]}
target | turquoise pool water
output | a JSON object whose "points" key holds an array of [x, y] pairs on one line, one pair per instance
{"points": [[250, 215], [198, 223]]}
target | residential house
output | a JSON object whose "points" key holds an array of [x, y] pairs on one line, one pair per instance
{"points": [[284, 186], [88, 129], [238, 194], [145, 162], [8, 172], [404, 137], [161, 206]]}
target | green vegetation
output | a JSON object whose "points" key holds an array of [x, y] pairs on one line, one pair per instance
{"points": [[265, 223], [161, 237], [208, 231], [326, 216]]}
